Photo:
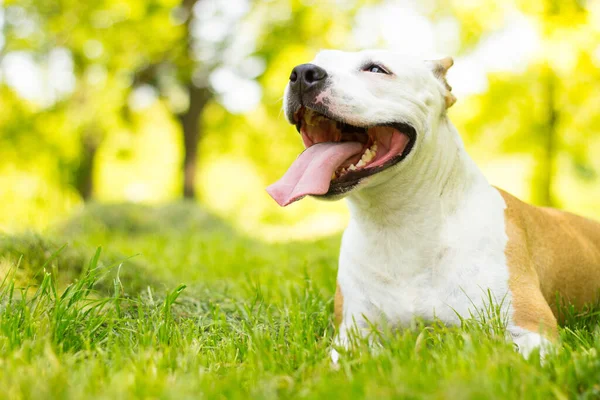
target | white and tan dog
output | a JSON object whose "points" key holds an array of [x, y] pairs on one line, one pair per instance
{"points": [[428, 237]]}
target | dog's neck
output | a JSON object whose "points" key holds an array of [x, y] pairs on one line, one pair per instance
{"points": [[424, 192]]}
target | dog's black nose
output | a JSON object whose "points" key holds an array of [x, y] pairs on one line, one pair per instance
{"points": [[305, 76]]}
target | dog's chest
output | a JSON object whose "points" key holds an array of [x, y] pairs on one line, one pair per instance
{"points": [[401, 274]]}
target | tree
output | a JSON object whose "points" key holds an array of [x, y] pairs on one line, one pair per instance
{"points": [[40, 30], [148, 43], [196, 90], [547, 110]]}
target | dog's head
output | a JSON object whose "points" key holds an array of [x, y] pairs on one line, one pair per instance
{"points": [[362, 117]]}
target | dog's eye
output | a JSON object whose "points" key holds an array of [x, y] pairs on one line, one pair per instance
{"points": [[376, 69]]}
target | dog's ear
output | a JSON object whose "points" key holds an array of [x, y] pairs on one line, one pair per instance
{"points": [[440, 68]]}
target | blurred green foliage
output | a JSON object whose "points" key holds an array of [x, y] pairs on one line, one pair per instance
{"points": [[127, 91]]}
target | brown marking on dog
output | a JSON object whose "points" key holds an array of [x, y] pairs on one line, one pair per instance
{"points": [[549, 252], [440, 68], [338, 305]]}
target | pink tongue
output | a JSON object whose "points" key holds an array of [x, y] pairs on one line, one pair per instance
{"points": [[312, 170]]}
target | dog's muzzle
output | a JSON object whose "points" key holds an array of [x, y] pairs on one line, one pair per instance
{"points": [[338, 155]]}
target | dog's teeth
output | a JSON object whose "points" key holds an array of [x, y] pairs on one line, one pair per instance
{"points": [[361, 163], [367, 156], [312, 118], [308, 118], [333, 176], [352, 167]]}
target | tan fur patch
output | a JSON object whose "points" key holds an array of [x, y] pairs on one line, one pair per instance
{"points": [[440, 70], [549, 252], [338, 305]]}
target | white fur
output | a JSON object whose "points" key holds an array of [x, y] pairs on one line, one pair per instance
{"points": [[426, 237]]}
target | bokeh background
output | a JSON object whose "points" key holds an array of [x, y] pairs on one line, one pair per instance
{"points": [[151, 101]]}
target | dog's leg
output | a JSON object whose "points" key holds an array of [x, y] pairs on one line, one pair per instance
{"points": [[341, 340], [355, 328], [342, 337], [350, 321], [533, 324], [527, 341]]}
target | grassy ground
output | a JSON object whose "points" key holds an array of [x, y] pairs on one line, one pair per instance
{"points": [[178, 305]]}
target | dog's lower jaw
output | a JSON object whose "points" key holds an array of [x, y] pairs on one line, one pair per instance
{"points": [[438, 168], [435, 178]]}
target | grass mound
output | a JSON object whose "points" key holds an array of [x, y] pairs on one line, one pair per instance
{"points": [[34, 254], [128, 232], [136, 219], [29, 257]]}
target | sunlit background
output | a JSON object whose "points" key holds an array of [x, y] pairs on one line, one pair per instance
{"points": [[148, 101]]}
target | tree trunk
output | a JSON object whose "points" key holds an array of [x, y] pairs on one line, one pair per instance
{"points": [[545, 175], [191, 122], [84, 176], [544, 179]]}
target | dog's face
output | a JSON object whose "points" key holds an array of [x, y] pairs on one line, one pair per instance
{"points": [[362, 117]]}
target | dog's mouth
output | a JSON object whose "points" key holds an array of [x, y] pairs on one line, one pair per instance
{"points": [[339, 155]]}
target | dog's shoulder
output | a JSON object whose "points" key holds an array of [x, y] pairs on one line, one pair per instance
{"points": [[561, 249], [546, 221]]}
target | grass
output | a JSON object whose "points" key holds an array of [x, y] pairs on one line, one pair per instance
{"points": [[201, 311]]}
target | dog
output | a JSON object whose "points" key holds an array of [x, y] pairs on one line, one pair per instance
{"points": [[428, 236]]}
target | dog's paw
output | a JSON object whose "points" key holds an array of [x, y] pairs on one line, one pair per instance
{"points": [[335, 359], [526, 342]]}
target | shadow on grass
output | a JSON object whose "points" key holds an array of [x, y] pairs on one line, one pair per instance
{"points": [[32, 255], [161, 247], [65, 251], [139, 219]]}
